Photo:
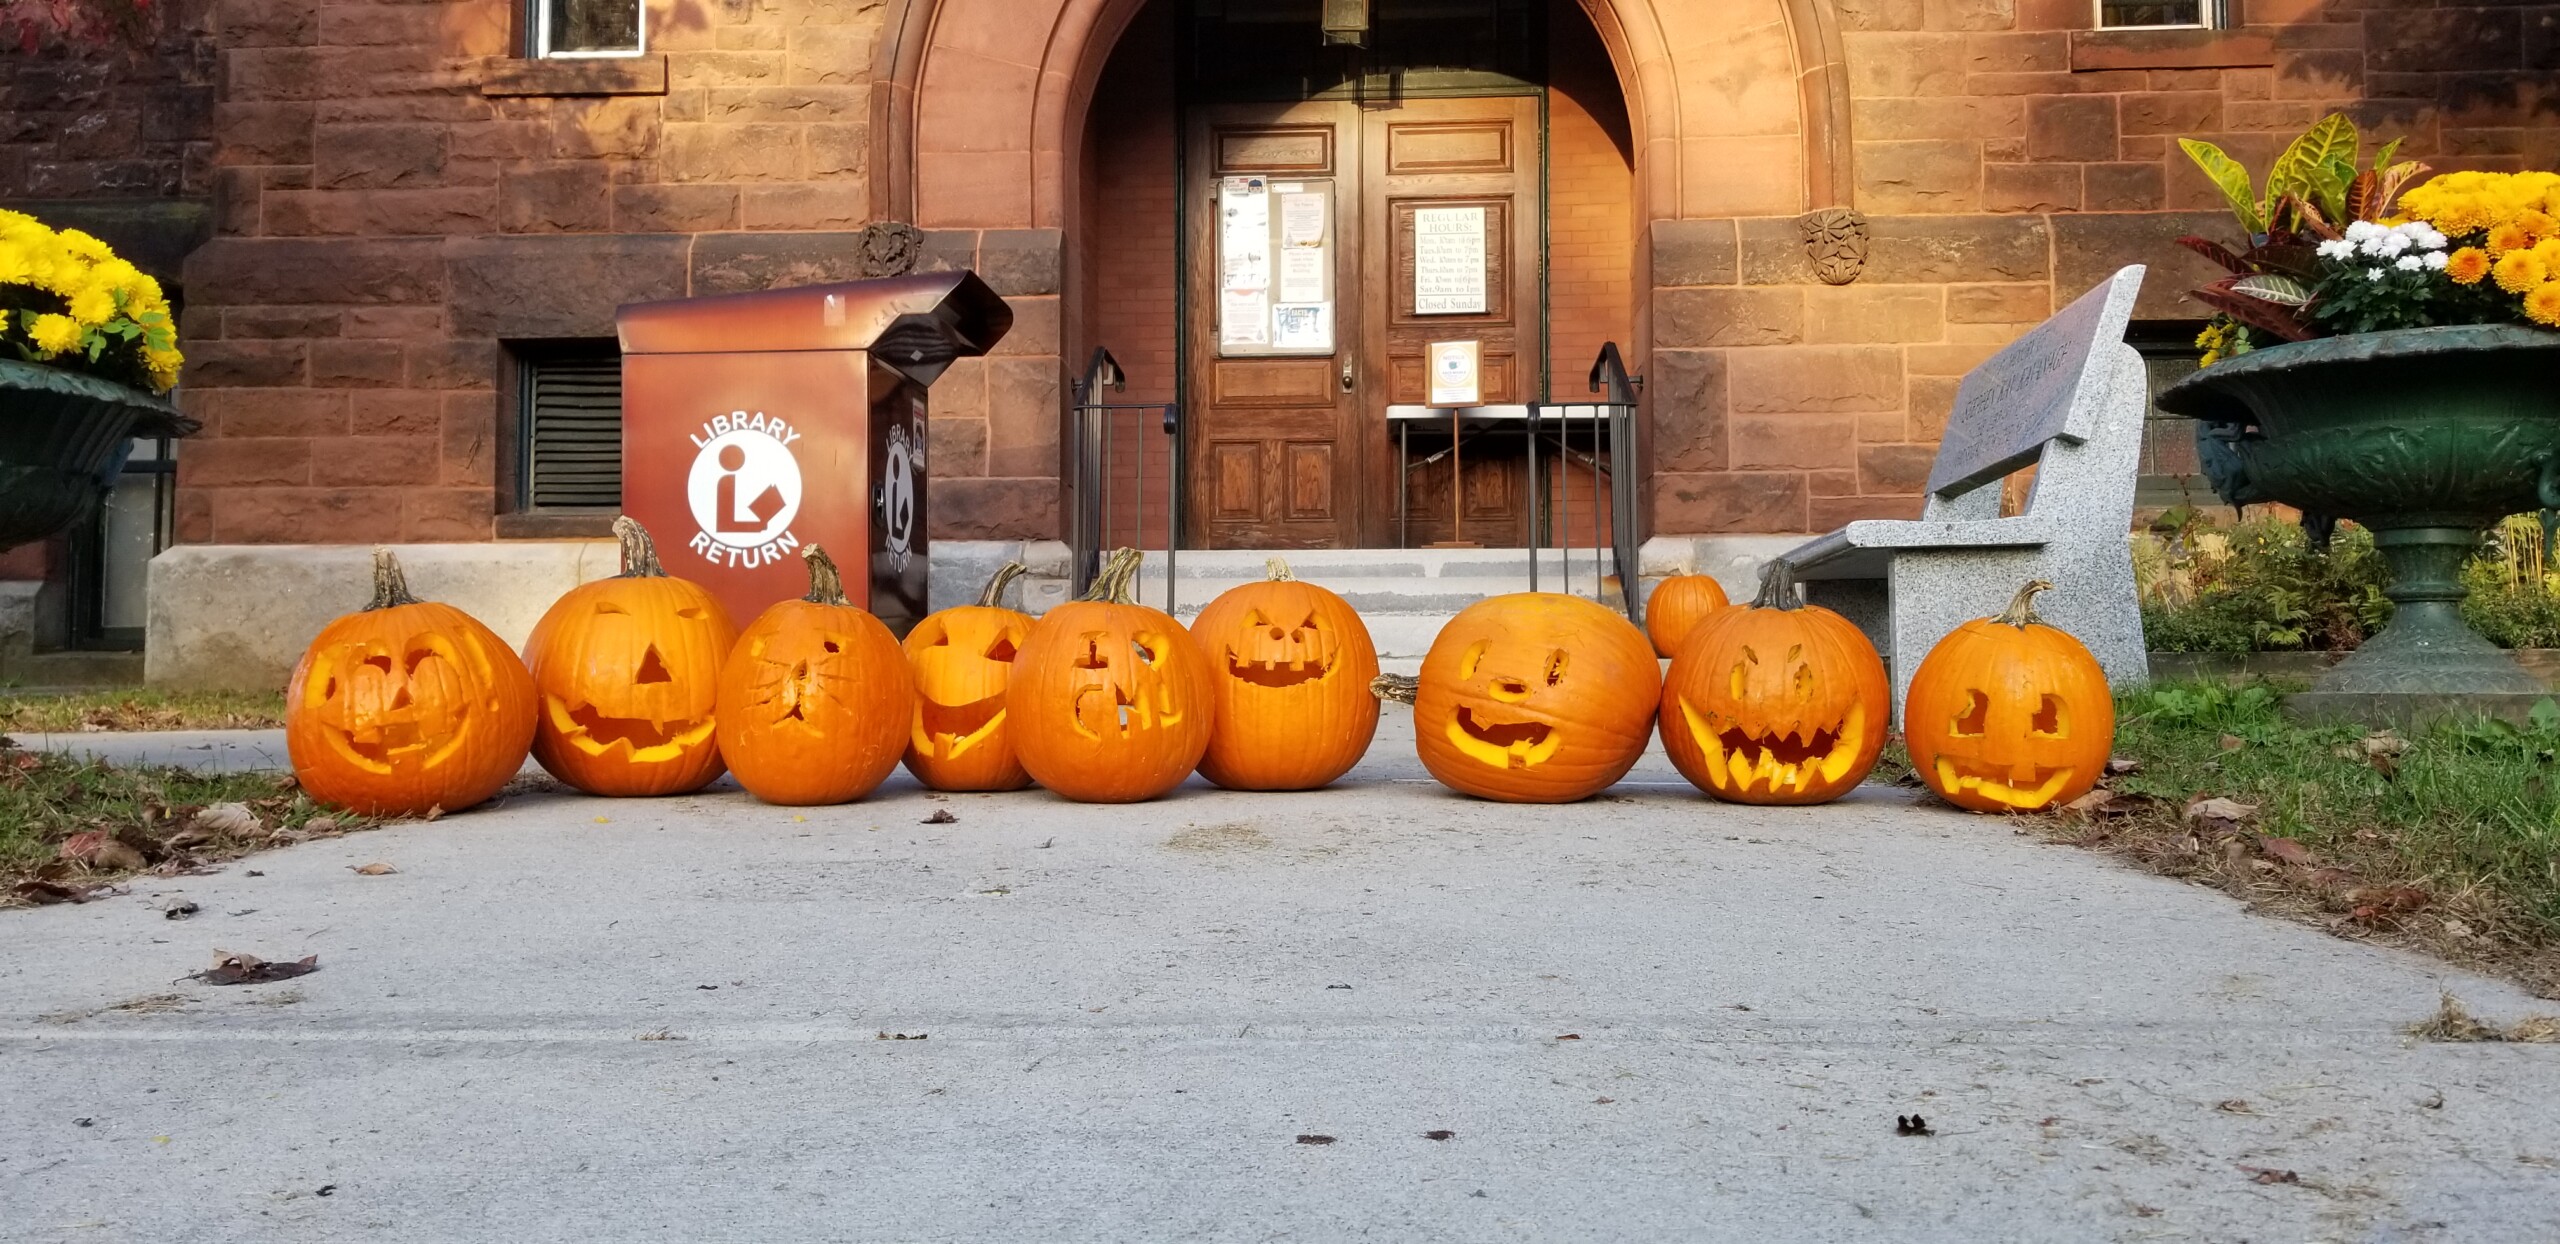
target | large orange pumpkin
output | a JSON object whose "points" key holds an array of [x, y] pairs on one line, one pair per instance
{"points": [[1777, 702], [629, 668], [2007, 714], [816, 698], [406, 706], [1290, 665], [1677, 607], [1110, 701], [1535, 698], [963, 661]]}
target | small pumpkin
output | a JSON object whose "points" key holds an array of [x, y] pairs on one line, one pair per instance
{"points": [[963, 660], [816, 697], [1533, 697], [2007, 714], [1776, 702], [629, 669], [1289, 664], [1677, 607], [406, 706], [1110, 701]]}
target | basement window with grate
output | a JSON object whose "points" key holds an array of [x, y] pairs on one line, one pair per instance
{"points": [[2160, 14], [570, 421], [575, 28]]}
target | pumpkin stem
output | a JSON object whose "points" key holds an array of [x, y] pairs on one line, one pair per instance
{"points": [[826, 587], [390, 586], [1277, 568], [2021, 612], [1118, 578], [1778, 587], [993, 597], [639, 555], [1401, 688]]}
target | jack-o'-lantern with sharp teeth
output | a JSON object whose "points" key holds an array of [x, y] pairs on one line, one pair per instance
{"points": [[629, 671], [816, 698], [1776, 702], [1110, 700], [407, 706], [2007, 714], [1534, 697], [963, 661], [1290, 664]]}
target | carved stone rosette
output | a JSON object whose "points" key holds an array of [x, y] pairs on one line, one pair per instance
{"points": [[890, 247], [1835, 239]]}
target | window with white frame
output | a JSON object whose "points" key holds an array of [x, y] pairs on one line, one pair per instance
{"points": [[570, 28], [2157, 14]]}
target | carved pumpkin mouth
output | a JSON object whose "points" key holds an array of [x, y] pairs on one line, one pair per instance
{"points": [[1275, 673], [644, 739], [2019, 786], [1784, 762], [951, 730], [1504, 745]]}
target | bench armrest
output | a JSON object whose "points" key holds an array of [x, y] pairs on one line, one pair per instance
{"points": [[1862, 549]]}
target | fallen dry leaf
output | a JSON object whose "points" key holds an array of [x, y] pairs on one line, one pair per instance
{"points": [[1438, 1133], [2118, 766], [1570, 1036], [2269, 1175], [228, 818], [2233, 742], [2220, 815], [374, 869], [2286, 849], [2235, 1105], [2092, 804], [2382, 902], [234, 968], [1311, 1138], [46, 893], [941, 816], [1912, 1125]]}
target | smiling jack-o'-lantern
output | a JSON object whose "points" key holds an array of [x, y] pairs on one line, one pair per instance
{"points": [[816, 697], [1290, 663], [963, 661], [629, 668], [1110, 700], [406, 706], [1777, 702], [1533, 698], [2007, 714], [1676, 608]]}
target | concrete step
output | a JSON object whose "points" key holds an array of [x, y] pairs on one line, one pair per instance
{"points": [[1404, 595]]}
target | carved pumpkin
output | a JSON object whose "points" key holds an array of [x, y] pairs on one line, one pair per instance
{"points": [[1533, 698], [1777, 702], [816, 698], [2008, 714], [1110, 701], [1290, 664], [629, 668], [1676, 608], [406, 706], [963, 661]]}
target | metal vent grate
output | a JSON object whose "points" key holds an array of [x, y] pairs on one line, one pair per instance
{"points": [[573, 413]]}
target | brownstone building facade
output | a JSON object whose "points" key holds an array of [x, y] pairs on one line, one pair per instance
{"points": [[403, 207]]}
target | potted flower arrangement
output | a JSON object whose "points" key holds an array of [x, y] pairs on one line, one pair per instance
{"points": [[86, 351], [2384, 351]]}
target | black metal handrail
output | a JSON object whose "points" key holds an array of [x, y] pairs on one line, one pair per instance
{"points": [[1089, 529], [1618, 397]]}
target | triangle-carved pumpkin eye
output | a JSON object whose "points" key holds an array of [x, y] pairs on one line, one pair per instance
{"points": [[1001, 649], [606, 606]]}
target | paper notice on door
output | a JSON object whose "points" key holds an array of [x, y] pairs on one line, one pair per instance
{"points": [[1302, 220], [1302, 273], [1307, 326], [1456, 372], [1448, 261], [1244, 235], [1244, 318]]}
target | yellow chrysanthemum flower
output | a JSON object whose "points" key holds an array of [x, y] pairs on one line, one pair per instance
{"points": [[55, 334], [13, 263], [2508, 237], [2542, 306], [2538, 223], [2467, 266], [2519, 271], [93, 306], [85, 246]]}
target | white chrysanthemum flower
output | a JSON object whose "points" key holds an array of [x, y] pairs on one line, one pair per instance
{"points": [[2436, 260], [2394, 243], [2374, 274], [2435, 240], [2410, 263], [2338, 248], [2360, 230]]}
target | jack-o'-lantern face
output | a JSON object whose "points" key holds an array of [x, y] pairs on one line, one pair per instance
{"points": [[1293, 664], [1535, 697], [962, 659], [1109, 701], [1775, 702], [2008, 714], [407, 706], [628, 668], [816, 699]]}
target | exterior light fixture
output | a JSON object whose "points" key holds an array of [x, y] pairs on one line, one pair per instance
{"points": [[1346, 22]]}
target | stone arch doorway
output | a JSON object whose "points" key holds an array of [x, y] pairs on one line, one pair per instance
{"points": [[979, 126]]}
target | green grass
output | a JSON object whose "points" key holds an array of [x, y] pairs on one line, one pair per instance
{"points": [[46, 798], [139, 708]]}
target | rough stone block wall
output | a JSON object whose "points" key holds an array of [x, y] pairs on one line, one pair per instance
{"points": [[121, 121]]}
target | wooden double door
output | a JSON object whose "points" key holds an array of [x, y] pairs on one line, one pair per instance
{"points": [[1288, 444]]}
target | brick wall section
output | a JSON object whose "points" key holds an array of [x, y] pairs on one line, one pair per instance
{"points": [[2009, 161], [88, 123], [1590, 192], [1130, 270]]}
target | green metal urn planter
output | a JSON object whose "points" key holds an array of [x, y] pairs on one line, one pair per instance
{"points": [[2425, 436], [62, 437]]}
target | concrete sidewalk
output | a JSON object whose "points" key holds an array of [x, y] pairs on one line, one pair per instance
{"points": [[1644, 1017]]}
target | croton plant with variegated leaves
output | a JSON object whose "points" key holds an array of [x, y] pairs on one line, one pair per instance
{"points": [[2335, 245]]}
